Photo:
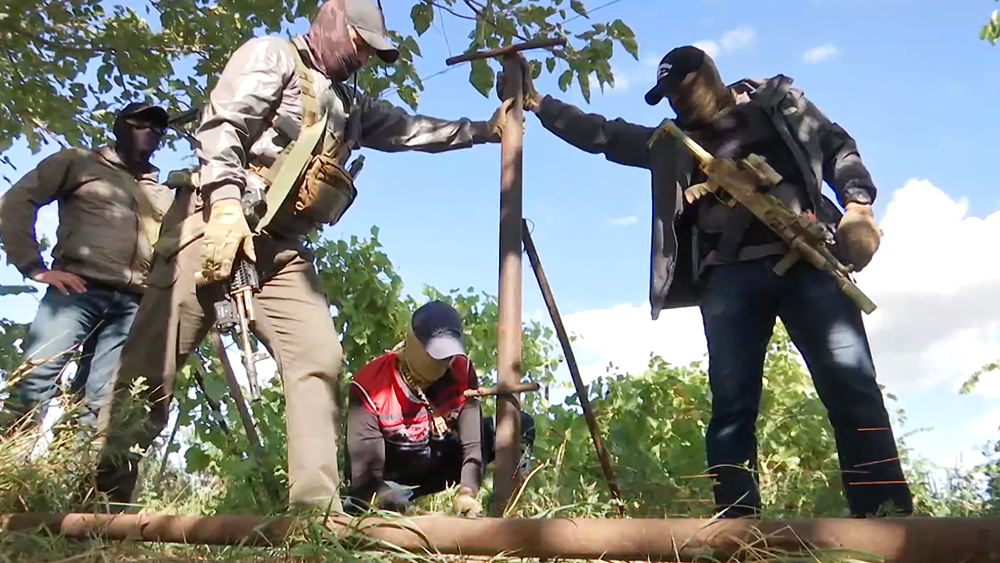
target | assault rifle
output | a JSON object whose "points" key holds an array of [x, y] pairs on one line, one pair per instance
{"points": [[746, 182], [236, 309]]}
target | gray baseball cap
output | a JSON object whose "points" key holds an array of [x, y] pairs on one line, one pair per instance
{"points": [[366, 18], [438, 327]]}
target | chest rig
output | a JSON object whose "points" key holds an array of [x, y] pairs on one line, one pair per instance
{"points": [[310, 166]]}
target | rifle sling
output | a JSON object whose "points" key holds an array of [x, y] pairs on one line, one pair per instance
{"points": [[286, 170]]}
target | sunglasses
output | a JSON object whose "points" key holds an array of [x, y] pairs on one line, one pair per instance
{"points": [[142, 125]]}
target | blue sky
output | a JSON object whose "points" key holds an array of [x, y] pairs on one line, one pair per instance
{"points": [[910, 80]]}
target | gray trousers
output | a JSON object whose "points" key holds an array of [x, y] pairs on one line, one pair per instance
{"points": [[292, 321]]}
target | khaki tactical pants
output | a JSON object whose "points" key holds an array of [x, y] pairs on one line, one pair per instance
{"points": [[292, 321]]}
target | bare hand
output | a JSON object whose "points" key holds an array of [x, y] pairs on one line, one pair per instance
{"points": [[465, 503], [64, 282]]}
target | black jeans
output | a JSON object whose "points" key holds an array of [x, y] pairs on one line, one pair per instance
{"points": [[739, 303], [448, 458]]}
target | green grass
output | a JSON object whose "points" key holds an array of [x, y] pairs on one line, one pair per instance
{"points": [[56, 480], [50, 483]]}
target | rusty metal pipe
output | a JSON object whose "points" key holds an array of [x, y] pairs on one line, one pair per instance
{"points": [[574, 370], [508, 428], [896, 540], [517, 47], [487, 391]]}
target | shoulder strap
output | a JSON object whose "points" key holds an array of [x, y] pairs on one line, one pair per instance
{"points": [[288, 167], [773, 91]]}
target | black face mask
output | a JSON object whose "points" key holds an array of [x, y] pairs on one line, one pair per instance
{"points": [[138, 142]]}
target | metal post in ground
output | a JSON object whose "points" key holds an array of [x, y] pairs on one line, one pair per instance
{"points": [[508, 427]]}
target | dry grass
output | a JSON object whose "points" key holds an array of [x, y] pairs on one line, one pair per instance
{"points": [[53, 481]]}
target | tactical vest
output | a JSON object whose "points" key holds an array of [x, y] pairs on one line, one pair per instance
{"points": [[775, 97], [310, 167], [401, 417]]}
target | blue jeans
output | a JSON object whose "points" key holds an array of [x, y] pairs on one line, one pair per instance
{"points": [[95, 324], [739, 303]]}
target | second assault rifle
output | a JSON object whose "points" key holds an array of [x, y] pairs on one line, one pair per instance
{"points": [[746, 182], [236, 309]]}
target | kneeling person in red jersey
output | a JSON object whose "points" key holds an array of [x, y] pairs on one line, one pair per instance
{"points": [[411, 431]]}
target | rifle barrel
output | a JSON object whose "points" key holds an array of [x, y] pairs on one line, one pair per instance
{"points": [[701, 154]]}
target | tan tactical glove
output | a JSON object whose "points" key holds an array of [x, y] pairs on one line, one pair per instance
{"points": [[226, 232], [498, 122], [857, 235], [465, 503], [531, 96]]}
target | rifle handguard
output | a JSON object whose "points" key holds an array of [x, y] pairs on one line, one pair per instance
{"points": [[805, 238]]}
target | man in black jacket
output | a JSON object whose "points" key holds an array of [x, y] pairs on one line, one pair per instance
{"points": [[721, 259]]}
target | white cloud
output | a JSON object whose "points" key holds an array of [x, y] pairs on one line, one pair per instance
{"points": [[710, 47], [730, 42], [739, 38], [937, 291], [985, 427], [652, 61], [623, 221], [821, 53], [626, 336]]}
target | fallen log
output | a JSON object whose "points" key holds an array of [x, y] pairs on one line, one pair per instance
{"points": [[894, 540]]}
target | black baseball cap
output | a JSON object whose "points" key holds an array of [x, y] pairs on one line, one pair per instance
{"points": [[159, 114], [439, 328], [673, 67], [366, 18]]}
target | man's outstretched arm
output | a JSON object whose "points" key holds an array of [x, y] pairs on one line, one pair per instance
{"points": [[366, 450], [618, 140], [390, 128]]}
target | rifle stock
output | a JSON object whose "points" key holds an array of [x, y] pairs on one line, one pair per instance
{"points": [[742, 182]]}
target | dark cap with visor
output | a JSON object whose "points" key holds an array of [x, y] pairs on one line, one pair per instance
{"points": [[672, 70], [438, 327]]}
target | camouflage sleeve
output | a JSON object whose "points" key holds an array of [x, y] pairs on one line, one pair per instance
{"points": [[619, 141], [20, 204], [239, 106], [843, 168], [389, 128]]}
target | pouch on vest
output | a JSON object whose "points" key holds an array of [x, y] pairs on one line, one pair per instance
{"points": [[326, 192], [323, 189]]}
